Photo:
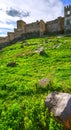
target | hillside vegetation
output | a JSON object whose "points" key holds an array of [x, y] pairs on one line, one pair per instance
{"points": [[21, 96]]}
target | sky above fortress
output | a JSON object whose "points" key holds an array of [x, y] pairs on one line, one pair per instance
{"points": [[29, 11]]}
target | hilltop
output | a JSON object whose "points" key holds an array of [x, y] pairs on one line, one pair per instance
{"points": [[22, 67]]}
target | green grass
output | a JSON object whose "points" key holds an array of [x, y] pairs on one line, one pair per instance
{"points": [[21, 99]]}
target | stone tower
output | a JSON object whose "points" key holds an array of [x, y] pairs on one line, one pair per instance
{"points": [[67, 19], [21, 25]]}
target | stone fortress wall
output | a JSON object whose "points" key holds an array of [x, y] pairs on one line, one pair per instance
{"points": [[23, 28], [55, 26], [58, 26]]}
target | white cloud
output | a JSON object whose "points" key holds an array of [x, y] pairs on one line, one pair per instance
{"points": [[42, 9]]}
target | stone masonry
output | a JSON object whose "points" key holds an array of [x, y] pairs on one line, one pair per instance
{"points": [[39, 28], [55, 26], [67, 19]]}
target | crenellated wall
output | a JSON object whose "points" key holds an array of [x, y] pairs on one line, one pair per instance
{"points": [[21, 25], [4, 39], [38, 26], [17, 33], [33, 27], [11, 35], [67, 11], [55, 26], [59, 25]]}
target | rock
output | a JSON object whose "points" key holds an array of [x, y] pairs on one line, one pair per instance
{"points": [[60, 105], [44, 82], [42, 52], [22, 46], [39, 49], [11, 64]]}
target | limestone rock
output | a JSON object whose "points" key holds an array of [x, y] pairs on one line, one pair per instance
{"points": [[44, 82], [60, 105], [42, 52]]}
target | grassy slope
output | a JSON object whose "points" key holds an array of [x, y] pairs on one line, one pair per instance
{"points": [[21, 101]]}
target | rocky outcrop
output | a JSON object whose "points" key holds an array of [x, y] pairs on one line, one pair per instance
{"points": [[60, 105]]}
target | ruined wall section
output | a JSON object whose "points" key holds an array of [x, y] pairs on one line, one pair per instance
{"points": [[11, 36], [38, 28], [21, 26], [17, 33], [55, 26], [67, 19], [42, 27], [4, 42], [52, 26], [4, 39], [21, 29], [33, 27], [61, 25]]}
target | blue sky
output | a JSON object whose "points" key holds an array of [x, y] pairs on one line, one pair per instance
{"points": [[29, 11], [66, 2]]}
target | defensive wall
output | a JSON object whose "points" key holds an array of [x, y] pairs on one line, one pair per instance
{"points": [[55, 26], [39, 28], [23, 30]]}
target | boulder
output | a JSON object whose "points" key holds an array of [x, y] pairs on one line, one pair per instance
{"points": [[11, 64], [60, 105], [42, 52]]}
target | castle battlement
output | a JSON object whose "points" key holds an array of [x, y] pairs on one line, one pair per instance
{"points": [[67, 7], [39, 28], [67, 11]]}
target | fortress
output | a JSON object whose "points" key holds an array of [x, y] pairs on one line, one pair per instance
{"points": [[61, 25]]}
